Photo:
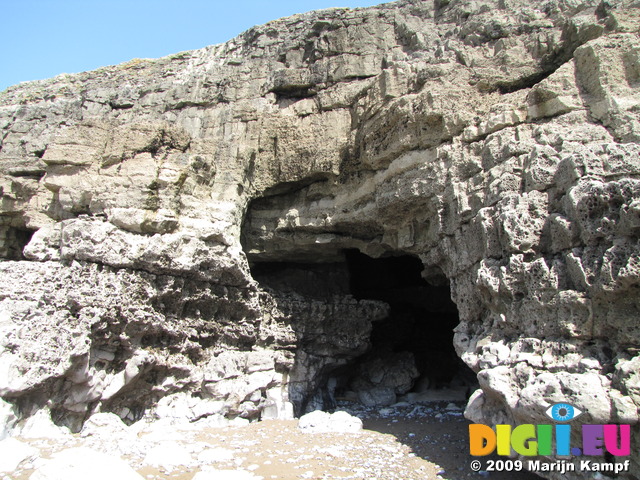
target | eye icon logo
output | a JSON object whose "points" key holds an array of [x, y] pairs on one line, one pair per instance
{"points": [[563, 412]]}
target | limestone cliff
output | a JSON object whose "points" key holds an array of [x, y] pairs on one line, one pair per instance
{"points": [[496, 141]]}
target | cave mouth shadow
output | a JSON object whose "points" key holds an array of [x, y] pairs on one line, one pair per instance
{"points": [[406, 355], [13, 240], [444, 442]]}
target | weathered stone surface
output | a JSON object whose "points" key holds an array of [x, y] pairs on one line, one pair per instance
{"points": [[497, 141], [380, 378]]}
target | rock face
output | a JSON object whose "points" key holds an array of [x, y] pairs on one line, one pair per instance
{"points": [[495, 141]]}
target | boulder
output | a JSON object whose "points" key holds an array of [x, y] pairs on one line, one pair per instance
{"points": [[324, 422]]}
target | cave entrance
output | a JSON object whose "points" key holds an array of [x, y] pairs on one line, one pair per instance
{"points": [[411, 355], [12, 242], [402, 352]]}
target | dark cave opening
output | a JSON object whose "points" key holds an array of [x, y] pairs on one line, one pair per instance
{"points": [[421, 318], [405, 354], [13, 240]]}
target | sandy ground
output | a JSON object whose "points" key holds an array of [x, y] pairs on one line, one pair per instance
{"points": [[407, 442]]}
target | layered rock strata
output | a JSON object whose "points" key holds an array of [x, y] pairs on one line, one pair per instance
{"points": [[496, 141]]}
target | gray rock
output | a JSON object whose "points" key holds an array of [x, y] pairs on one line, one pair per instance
{"points": [[380, 378], [377, 396], [324, 422]]}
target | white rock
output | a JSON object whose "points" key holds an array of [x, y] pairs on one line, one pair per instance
{"points": [[239, 422], [473, 411], [101, 424], [13, 453], [277, 405], [40, 425], [167, 456], [314, 422], [82, 464], [185, 407], [344, 422], [323, 422]]}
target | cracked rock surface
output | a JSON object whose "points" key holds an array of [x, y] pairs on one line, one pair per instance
{"points": [[495, 140]]}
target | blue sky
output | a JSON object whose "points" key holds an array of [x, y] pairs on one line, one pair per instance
{"points": [[42, 38]]}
